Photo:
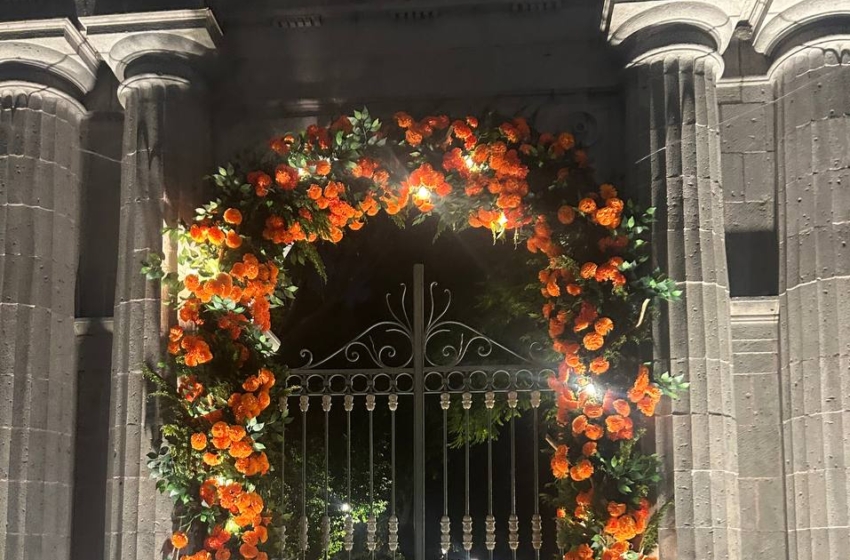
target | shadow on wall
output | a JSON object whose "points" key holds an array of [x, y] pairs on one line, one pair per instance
{"points": [[753, 261]]}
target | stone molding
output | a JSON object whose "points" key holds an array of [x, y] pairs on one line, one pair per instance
{"points": [[758, 309], [784, 18], [168, 40], [50, 51]]}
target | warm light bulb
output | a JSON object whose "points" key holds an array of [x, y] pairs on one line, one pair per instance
{"points": [[503, 220], [590, 390], [423, 193]]}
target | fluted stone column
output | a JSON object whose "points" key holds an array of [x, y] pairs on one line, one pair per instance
{"points": [[166, 154], [39, 197], [813, 128], [674, 152]]}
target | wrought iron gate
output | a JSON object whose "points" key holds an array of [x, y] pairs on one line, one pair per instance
{"points": [[444, 361]]}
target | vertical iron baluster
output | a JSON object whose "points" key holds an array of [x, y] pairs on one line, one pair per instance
{"points": [[467, 518], [326, 519], [513, 520], [304, 405], [348, 535], [371, 522], [392, 525], [445, 522], [490, 521], [284, 408], [536, 524]]}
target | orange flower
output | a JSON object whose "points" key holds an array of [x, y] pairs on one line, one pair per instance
{"points": [[616, 509], [599, 365], [212, 459], [561, 513], [197, 350], [579, 424], [607, 191], [286, 177], [622, 407], [403, 119], [260, 181], [215, 235], [248, 551], [581, 471], [222, 554], [566, 215], [199, 441], [587, 206], [593, 341], [233, 240], [588, 449], [594, 432], [179, 540], [560, 463], [588, 270], [603, 326], [233, 216], [574, 289], [323, 167], [593, 410]]}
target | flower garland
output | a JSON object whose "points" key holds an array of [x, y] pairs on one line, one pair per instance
{"points": [[228, 411]]}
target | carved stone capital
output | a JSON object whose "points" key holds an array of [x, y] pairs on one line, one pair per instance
{"points": [[50, 52], [172, 42]]}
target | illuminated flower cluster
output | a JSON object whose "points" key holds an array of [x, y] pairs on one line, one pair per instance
{"points": [[323, 182]]}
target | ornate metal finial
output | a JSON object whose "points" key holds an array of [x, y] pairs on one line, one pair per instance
{"points": [[348, 533], [371, 532], [489, 399], [349, 403], [392, 401], [283, 404], [392, 539], [445, 534], [536, 532], [370, 402], [445, 401], [512, 399], [466, 400], [304, 403], [467, 532], [490, 532], [535, 399], [326, 403], [513, 532]]}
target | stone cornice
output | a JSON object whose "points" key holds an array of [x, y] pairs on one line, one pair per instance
{"points": [[51, 51], [125, 39]]}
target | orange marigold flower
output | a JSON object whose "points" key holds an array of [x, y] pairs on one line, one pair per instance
{"points": [[594, 432], [607, 217], [212, 459], [179, 540], [574, 289], [593, 341], [622, 407], [561, 513], [587, 206], [198, 233], [560, 463], [233, 216], [599, 365], [616, 509], [222, 554], [241, 449], [248, 551], [314, 192], [581, 471], [403, 119], [603, 326], [215, 235], [413, 137], [607, 191], [588, 448], [323, 167], [566, 214], [233, 240], [236, 432], [199, 441], [579, 424], [588, 270], [260, 181], [593, 410], [566, 141], [286, 177]]}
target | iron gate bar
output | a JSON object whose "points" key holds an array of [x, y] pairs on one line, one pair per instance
{"points": [[369, 371]]}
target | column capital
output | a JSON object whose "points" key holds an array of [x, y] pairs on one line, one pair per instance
{"points": [[791, 25], [169, 42], [49, 52], [637, 27]]}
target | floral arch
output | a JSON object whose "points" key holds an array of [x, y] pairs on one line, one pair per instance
{"points": [[217, 459]]}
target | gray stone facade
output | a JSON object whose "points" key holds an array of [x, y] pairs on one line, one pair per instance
{"points": [[731, 116]]}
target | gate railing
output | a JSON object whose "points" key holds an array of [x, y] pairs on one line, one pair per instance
{"points": [[402, 361]]}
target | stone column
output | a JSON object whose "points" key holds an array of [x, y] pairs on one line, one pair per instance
{"points": [[39, 197], [674, 157], [813, 129], [166, 151]]}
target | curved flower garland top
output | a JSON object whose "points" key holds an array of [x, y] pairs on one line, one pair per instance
{"points": [[316, 185]]}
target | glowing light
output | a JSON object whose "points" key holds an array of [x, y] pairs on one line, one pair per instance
{"points": [[423, 193], [469, 163], [590, 390], [503, 220], [345, 507]]}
